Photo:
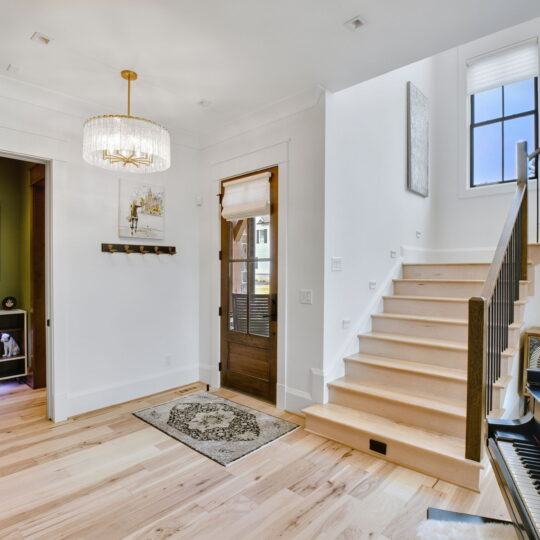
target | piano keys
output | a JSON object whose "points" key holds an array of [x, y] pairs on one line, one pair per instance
{"points": [[514, 452]]}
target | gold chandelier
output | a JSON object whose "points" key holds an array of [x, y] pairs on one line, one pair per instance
{"points": [[126, 142]]}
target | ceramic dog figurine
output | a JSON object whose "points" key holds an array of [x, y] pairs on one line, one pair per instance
{"points": [[10, 346]]}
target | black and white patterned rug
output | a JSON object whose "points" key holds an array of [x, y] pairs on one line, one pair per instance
{"points": [[216, 427]]}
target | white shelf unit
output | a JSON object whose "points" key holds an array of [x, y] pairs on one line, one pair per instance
{"points": [[14, 322]]}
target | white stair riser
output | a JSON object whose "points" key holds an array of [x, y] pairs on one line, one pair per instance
{"points": [[417, 458], [417, 383], [414, 353], [434, 330], [441, 271], [445, 290], [432, 420]]}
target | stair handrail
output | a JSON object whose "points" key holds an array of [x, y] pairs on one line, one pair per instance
{"points": [[491, 313]]}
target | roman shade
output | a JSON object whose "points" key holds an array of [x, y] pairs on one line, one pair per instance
{"points": [[246, 197], [504, 66]]}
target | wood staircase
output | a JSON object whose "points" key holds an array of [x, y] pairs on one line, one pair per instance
{"points": [[407, 386]]}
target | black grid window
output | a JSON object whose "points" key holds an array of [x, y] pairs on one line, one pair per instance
{"points": [[500, 117]]}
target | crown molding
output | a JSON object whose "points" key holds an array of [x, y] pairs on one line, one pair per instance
{"points": [[267, 115]]}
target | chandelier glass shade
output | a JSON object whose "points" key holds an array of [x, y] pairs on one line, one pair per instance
{"points": [[125, 142]]}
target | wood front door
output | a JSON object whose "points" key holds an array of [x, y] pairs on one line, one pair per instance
{"points": [[37, 319], [249, 283]]}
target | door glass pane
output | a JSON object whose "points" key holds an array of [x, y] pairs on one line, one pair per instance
{"points": [[488, 105], [238, 294], [519, 97], [262, 237], [238, 240], [259, 300], [518, 129], [487, 154]]}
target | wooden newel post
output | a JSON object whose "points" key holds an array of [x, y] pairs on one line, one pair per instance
{"points": [[476, 370]]}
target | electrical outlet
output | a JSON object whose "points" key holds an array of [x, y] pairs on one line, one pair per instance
{"points": [[345, 323], [372, 284], [418, 234], [393, 254], [306, 296], [199, 200], [337, 264]]}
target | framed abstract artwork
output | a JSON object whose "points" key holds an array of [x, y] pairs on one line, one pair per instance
{"points": [[141, 210], [417, 141]]}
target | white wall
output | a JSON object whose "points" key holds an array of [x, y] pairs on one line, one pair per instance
{"points": [[296, 143], [123, 326], [368, 210], [469, 221]]}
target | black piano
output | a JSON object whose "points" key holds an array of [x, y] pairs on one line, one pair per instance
{"points": [[514, 452]]}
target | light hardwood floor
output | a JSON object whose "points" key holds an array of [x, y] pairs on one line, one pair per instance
{"points": [[108, 475]]}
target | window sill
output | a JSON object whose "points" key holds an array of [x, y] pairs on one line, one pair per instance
{"points": [[494, 189]]}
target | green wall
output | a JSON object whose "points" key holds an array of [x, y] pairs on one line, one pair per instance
{"points": [[14, 231]]}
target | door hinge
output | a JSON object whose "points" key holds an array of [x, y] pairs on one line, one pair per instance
{"points": [[220, 366], [220, 255], [219, 311], [48, 322]]}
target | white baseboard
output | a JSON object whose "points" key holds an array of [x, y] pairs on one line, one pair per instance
{"points": [[98, 398], [205, 373], [412, 254], [296, 400]]}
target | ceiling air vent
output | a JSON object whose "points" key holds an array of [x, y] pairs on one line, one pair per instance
{"points": [[354, 24], [42, 39]]}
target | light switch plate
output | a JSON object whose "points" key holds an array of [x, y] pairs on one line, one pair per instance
{"points": [[345, 323], [372, 284], [306, 296], [337, 264]]}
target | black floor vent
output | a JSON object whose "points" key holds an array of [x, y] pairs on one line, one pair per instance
{"points": [[377, 446]]}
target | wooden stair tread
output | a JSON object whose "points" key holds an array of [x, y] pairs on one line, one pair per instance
{"points": [[389, 394], [451, 447], [426, 298], [426, 342], [420, 318], [437, 280], [435, 298], [431, 370], [448, 264], [421, 341]]}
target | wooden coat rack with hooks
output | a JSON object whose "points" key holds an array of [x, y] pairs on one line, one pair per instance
{"points": [[142, 249]]}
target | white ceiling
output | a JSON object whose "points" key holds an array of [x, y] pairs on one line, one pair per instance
{"points": [[239, 54]]}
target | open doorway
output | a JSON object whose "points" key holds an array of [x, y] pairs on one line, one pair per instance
{"points": [[23, 350]]}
